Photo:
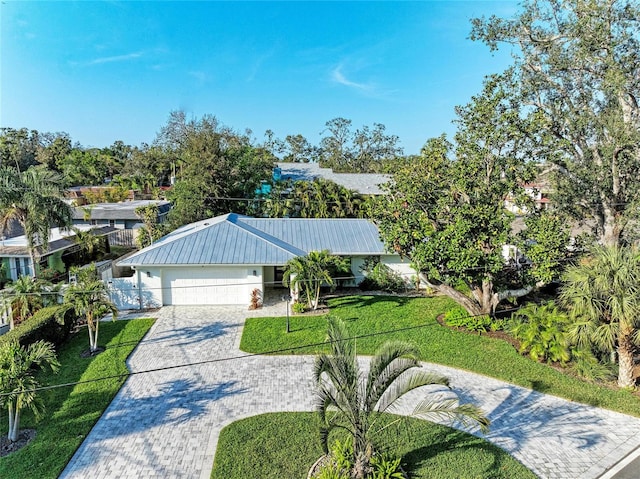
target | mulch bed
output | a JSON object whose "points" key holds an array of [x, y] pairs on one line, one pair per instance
{"points": [[25, 436]]}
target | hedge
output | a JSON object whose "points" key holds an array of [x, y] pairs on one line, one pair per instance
{"points": [[45, 325]]}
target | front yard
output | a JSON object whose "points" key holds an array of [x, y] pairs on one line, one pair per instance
{"points": [[72, 411], [372, 318]]}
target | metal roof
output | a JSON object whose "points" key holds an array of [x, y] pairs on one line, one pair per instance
{"points": [[59, 239], [364, 183], [125, 210], [235, 240]]}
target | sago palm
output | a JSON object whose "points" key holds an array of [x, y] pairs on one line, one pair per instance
{"points": [[602, 293], [350, 400]]}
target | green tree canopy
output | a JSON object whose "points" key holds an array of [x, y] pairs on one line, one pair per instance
{"points": [[577, 76], [450, 219], [34, 198]]}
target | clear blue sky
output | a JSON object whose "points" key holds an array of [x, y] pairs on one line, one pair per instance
{"points": [[107, 71]]}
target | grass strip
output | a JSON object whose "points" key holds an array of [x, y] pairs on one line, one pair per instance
{"points": [[279, 445], [477, 353], [71, 412]]}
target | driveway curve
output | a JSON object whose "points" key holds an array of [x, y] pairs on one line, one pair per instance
{"points": [[165, 424]]}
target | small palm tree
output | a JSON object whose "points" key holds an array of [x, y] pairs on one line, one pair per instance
{"points": [[89, 298], [25, 296], [602, 293], [347, 399], [541, 332], [308, 273], [87, 241], [17, 379]]}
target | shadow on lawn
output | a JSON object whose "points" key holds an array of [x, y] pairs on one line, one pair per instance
{"points": [[454, 440], [368, 301]]}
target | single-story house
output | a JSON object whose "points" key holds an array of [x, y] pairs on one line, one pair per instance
{"points": [[117, 215], [121, 216], [221, 260], [15, 257]]}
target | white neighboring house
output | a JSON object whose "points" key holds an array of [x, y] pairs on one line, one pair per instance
{"points": [[221, 260]]}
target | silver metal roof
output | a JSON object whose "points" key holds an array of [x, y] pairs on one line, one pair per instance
{"points": [[364, 183], [125, 210], [236, 240]]}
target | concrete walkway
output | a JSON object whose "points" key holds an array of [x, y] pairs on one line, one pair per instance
{"points": [[166, 424]]}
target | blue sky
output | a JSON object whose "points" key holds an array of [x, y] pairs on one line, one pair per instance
{"points": [[107, 71]]}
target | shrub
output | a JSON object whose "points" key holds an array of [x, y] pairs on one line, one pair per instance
{"points": [[379, 277], [52, 324], [298, 307], [540, 330], [386, 467], [256, 299], [586, 365], [458, 317]]}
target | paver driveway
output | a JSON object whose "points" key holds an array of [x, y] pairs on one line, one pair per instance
{"points": [[166, 424]]}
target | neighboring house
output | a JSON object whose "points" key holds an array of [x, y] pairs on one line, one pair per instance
{"points": [[363, 183], [221, 260], [121, 216], [14, 254], [117, 215], [538, 192]]}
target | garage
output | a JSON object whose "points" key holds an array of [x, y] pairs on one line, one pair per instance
{"points": [[207, 285]]}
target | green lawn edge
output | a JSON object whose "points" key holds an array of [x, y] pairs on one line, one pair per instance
{"points": [[285, 445], [480, 354], [71, 412]]}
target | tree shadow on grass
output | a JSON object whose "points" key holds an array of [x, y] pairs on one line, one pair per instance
{"points": [[368, 301], [419, 458]]}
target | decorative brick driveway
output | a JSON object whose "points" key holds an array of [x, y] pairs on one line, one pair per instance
{"points": [[166, 424]]}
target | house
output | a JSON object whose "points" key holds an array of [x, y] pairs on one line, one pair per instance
{"points": [[16, 260], [221, 260], [363, 183], [121, 216], [117, 215]]}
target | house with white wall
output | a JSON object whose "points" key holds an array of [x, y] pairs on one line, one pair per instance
{"points": [[222, 260]]}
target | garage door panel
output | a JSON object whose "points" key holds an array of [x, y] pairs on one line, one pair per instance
{"points": [[194, 286]]}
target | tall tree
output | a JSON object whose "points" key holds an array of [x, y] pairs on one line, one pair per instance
{"points": [[18, 148], [450, 220], [603, 296], [34, 198], [218, 168], [18, 381], [577, 73]]}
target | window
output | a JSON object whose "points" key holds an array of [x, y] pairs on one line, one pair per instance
{"points": [[112, 223]]}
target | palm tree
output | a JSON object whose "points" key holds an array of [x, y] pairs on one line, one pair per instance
{"points": [[602, 293], [87, 241], [25, 296], [34, 198], [308, 273], [348, 400], [89, 298], [17, 379]]}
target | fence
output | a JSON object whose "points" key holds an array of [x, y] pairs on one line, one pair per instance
{"points": [[123, 238]]}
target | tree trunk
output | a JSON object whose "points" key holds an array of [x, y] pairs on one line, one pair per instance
{"points": [[14, 423], [625, 362], [470, 304], [611, 229]]}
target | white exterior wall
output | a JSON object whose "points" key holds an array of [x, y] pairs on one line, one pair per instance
{"points": [[356, 268], [400, 266]]}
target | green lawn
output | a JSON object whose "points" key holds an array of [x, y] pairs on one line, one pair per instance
{"points": [[285, 445], [71, 412], [481, 354]]}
